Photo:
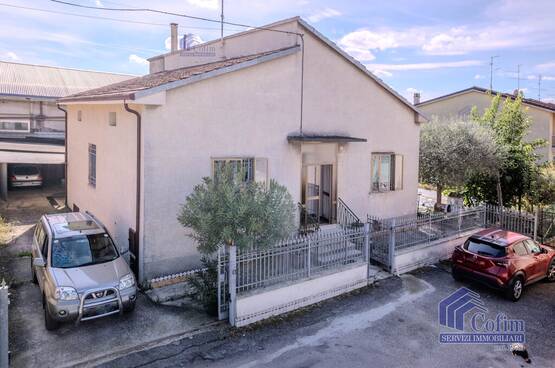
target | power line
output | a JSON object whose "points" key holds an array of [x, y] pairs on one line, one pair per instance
{"points": [[103, 18], [174, 14]]}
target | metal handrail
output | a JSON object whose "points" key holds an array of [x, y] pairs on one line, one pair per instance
{"points": [[345, 216]]}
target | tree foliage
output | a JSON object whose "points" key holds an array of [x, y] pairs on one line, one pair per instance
{"points": [[229, 211], [453, 151], [510, 123], [543, 188]]}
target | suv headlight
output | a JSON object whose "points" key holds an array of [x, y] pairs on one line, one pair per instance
{"points": [[65, 293], [126, 282]]}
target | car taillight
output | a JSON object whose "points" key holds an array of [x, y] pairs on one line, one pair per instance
{"points": [[13, 177], [501, 262], [39, 177]]}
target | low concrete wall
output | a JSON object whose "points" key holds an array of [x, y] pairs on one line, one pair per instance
{"points": [[427, 254], [271, 302]]}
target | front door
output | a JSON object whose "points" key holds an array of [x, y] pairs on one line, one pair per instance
{"points": [[318, 194]]}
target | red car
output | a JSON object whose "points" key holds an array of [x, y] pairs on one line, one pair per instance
{"points": [[503, 260]]}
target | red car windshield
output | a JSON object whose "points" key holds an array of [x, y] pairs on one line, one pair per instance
{"points": [[484, 248]]}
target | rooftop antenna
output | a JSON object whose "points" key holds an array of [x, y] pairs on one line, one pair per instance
{"points": [[518, 77], [491, 72], [539, 87]]}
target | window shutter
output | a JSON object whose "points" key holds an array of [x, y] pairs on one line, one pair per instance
{"points": [[261, 170], [398, 183]]}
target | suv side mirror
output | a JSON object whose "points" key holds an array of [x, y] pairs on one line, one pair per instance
{"points": [[38, 262]]}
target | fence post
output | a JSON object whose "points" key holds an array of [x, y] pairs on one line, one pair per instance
{"points": [[4, 302], [460, 220], [392, 247], [367, 247], [536, 220], [232, 284], [308, 258]]}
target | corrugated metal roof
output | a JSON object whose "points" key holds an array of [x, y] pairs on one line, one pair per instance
{"points": [[46, 81]]}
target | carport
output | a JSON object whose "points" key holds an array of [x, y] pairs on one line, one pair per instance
{"points": [[50, 156]]}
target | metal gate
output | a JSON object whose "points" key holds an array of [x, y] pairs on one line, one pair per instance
{"points": [[223, 282], [546, 226]]}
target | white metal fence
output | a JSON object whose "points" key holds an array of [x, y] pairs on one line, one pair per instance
{"points": [[4, 348]]}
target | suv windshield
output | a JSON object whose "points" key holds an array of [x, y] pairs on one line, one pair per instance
{"points": [[484, 249], [83, 250]]}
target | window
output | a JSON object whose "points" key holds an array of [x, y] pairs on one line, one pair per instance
{"points": [[252, 169], [79, 115], [520, 249], [112, 118], [387, 172], [484, 249], [92, 164], [15, 126], [83, 250], [533, 247], [41, 239]]}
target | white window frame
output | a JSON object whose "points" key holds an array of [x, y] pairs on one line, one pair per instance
{"points": [[259, 169], [26, 121], [396, 168]]}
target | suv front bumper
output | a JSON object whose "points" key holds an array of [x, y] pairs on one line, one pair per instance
{"points": [[84, 309]]}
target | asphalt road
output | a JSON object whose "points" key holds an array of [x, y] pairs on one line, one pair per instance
{"points": [[391, 324]]}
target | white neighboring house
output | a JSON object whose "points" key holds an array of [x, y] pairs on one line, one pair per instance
{"points": [[32, 128], [458, 105], [239, 100]]}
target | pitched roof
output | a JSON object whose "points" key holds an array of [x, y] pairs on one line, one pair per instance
{"points": [[168, 79], [528, 101], [41, 81]]}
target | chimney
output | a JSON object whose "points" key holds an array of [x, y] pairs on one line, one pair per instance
{"points": [[416, 98], [173, 27]]}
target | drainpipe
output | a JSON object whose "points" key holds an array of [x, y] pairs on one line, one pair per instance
{"points": [[138, 194], [65, 149]]}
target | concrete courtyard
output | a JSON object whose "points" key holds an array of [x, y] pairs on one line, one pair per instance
{"points": [[392, 324]]}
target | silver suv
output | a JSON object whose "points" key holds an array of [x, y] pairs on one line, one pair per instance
{"points": [[80, 272]]}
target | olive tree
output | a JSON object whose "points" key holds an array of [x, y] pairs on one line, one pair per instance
{"points": [[227, 210], [453, 151]]}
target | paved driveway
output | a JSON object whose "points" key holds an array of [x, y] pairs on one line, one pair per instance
{"points": [[393, 324]]}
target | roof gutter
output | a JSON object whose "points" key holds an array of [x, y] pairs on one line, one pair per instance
{"points": [[65, 150], [138, 184]]}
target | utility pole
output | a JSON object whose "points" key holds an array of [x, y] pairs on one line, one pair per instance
{"points": [[539, 87], [222, 23], [491, 72]]}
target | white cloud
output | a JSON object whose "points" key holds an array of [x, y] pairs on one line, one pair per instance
{"points": [[382, 73], [546, 66], [425, 66], [98, 3], [362, 42], [323, 14], [137, 59], [479, 76], [544, 77], [12, 55], [207, 4]]}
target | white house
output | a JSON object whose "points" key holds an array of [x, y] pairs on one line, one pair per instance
{"points": [[458, 105], [286, 104]]}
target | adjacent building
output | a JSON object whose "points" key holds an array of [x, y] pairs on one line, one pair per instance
{"points": [[458, 105], [32, 127], [284, 103]]}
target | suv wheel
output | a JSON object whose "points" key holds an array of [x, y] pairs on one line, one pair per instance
{"points": [[551, 271], [50, 323], [516, 286]]}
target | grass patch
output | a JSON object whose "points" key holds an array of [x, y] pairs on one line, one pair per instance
{"points": [[25, 254], [5, 231]]}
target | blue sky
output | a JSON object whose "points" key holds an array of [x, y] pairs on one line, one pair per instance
{"points": [[434, 47]]}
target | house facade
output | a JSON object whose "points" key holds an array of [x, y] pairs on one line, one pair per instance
{"points": [[316, 121], [458, 105], [32, 127]]}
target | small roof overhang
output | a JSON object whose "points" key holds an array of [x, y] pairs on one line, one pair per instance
{"points": [[323, 138]]}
